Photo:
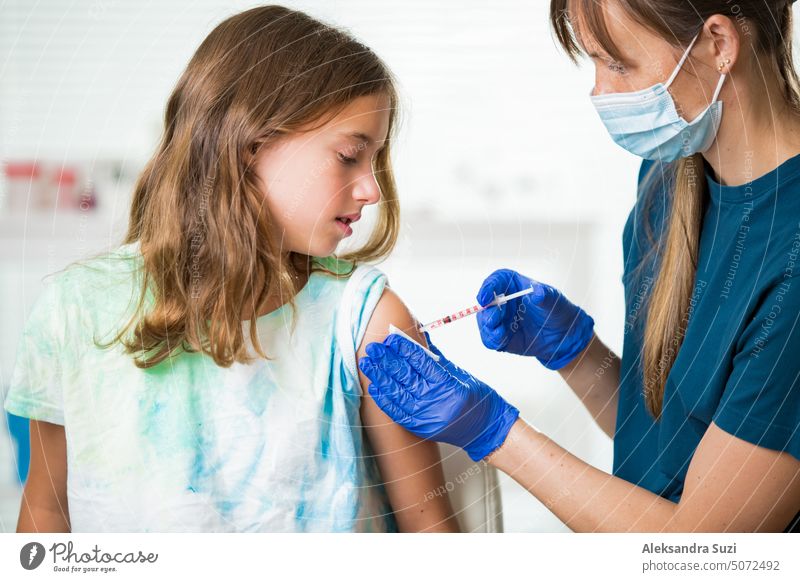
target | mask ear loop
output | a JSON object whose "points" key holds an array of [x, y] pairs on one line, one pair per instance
{"points": [[719, 88], [680, 63]]}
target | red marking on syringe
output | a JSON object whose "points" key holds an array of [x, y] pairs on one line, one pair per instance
{"points": [[454, 317], [498, 300]]}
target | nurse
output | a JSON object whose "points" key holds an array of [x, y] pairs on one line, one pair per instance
{"points": [[704, 405]]}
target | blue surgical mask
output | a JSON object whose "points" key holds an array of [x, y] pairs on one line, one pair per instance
{"points": [[647, 123]]}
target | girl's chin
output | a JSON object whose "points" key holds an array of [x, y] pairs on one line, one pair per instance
{"points": [[321, 248]]}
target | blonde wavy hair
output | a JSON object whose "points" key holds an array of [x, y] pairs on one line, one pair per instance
{"points": [[198, 212]]}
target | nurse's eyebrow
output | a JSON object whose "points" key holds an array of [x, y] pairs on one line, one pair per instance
{"points": [[604, 57]]}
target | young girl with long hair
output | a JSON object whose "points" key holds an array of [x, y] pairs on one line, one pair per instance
{"points": [[203, 375]]}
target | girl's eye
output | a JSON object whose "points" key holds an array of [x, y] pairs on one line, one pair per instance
{"points": [[344, 159]]}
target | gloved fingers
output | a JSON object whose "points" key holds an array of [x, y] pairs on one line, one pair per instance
{"points": [[443, 361], [495, 339], [442, 358], [428, 341], [540, 290], [500, 281], [403, 396], [388, 405], [374, 369], [435, 350], [416, 357], [492, 317], [492, 320], [394, 364], [493, 284]]}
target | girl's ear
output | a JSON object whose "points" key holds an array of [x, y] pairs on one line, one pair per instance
{"points": [[726, 42], [253, 150], [260, 145]]}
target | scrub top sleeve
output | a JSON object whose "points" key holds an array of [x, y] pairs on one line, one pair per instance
{"points": [[761, 400], [35, 389]]}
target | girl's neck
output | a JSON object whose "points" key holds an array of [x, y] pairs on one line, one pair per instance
{"points": [[276, 300], [754, 140]]}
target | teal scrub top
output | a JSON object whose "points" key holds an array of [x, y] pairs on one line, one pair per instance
{"points": [[739, 362]]}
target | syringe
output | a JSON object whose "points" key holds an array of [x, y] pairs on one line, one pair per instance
{"points": [[498, 300]]}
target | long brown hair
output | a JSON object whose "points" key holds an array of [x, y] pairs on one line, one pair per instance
{"points": [[198, 212], [677, 247]]}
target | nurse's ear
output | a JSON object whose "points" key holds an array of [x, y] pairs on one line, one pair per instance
{"points": [[723, 50]]}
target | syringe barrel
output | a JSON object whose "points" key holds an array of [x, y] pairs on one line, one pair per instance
{"points": [[453, 317]]}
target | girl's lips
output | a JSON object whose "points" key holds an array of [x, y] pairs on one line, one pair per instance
{"points": [[345, 227], [351, 217]]}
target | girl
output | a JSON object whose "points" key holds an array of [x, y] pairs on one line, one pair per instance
{"points": [[149, 411], [704, 405]]}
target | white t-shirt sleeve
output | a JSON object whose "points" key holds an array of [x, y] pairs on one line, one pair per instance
{"points": [[360, 297], [35, 390]]}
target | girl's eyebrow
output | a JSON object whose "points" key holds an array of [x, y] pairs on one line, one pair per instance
{"points": [[357, 135], [360, 136]]}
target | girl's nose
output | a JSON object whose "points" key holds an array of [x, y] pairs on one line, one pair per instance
{"points": [[366, 189]]}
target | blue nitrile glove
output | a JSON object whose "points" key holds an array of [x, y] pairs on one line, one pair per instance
{"points": [[542, 324], [436, 400]]}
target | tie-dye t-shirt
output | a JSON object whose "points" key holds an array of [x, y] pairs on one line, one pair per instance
{"points": [[189, 446]]}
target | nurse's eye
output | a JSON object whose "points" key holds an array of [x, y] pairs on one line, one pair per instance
{"points": [[618, 68], [345, 159]]}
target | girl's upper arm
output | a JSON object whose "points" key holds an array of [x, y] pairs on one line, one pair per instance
{"points": [[410, 466], [44, 500]]}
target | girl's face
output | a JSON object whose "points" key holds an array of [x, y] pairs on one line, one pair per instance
{"points": [[314, 179]]}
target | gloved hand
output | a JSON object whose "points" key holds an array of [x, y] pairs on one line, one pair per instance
{"points": [[436, 400], [542, 324]]}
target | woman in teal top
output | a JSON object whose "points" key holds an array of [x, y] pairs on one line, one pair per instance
{"points": [[737, 365], [704, 405]]}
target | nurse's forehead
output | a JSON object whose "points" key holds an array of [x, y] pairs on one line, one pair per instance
{"points": [[618, 41]]}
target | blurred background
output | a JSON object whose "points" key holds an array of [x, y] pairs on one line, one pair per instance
{"points": [[501, 162]]}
